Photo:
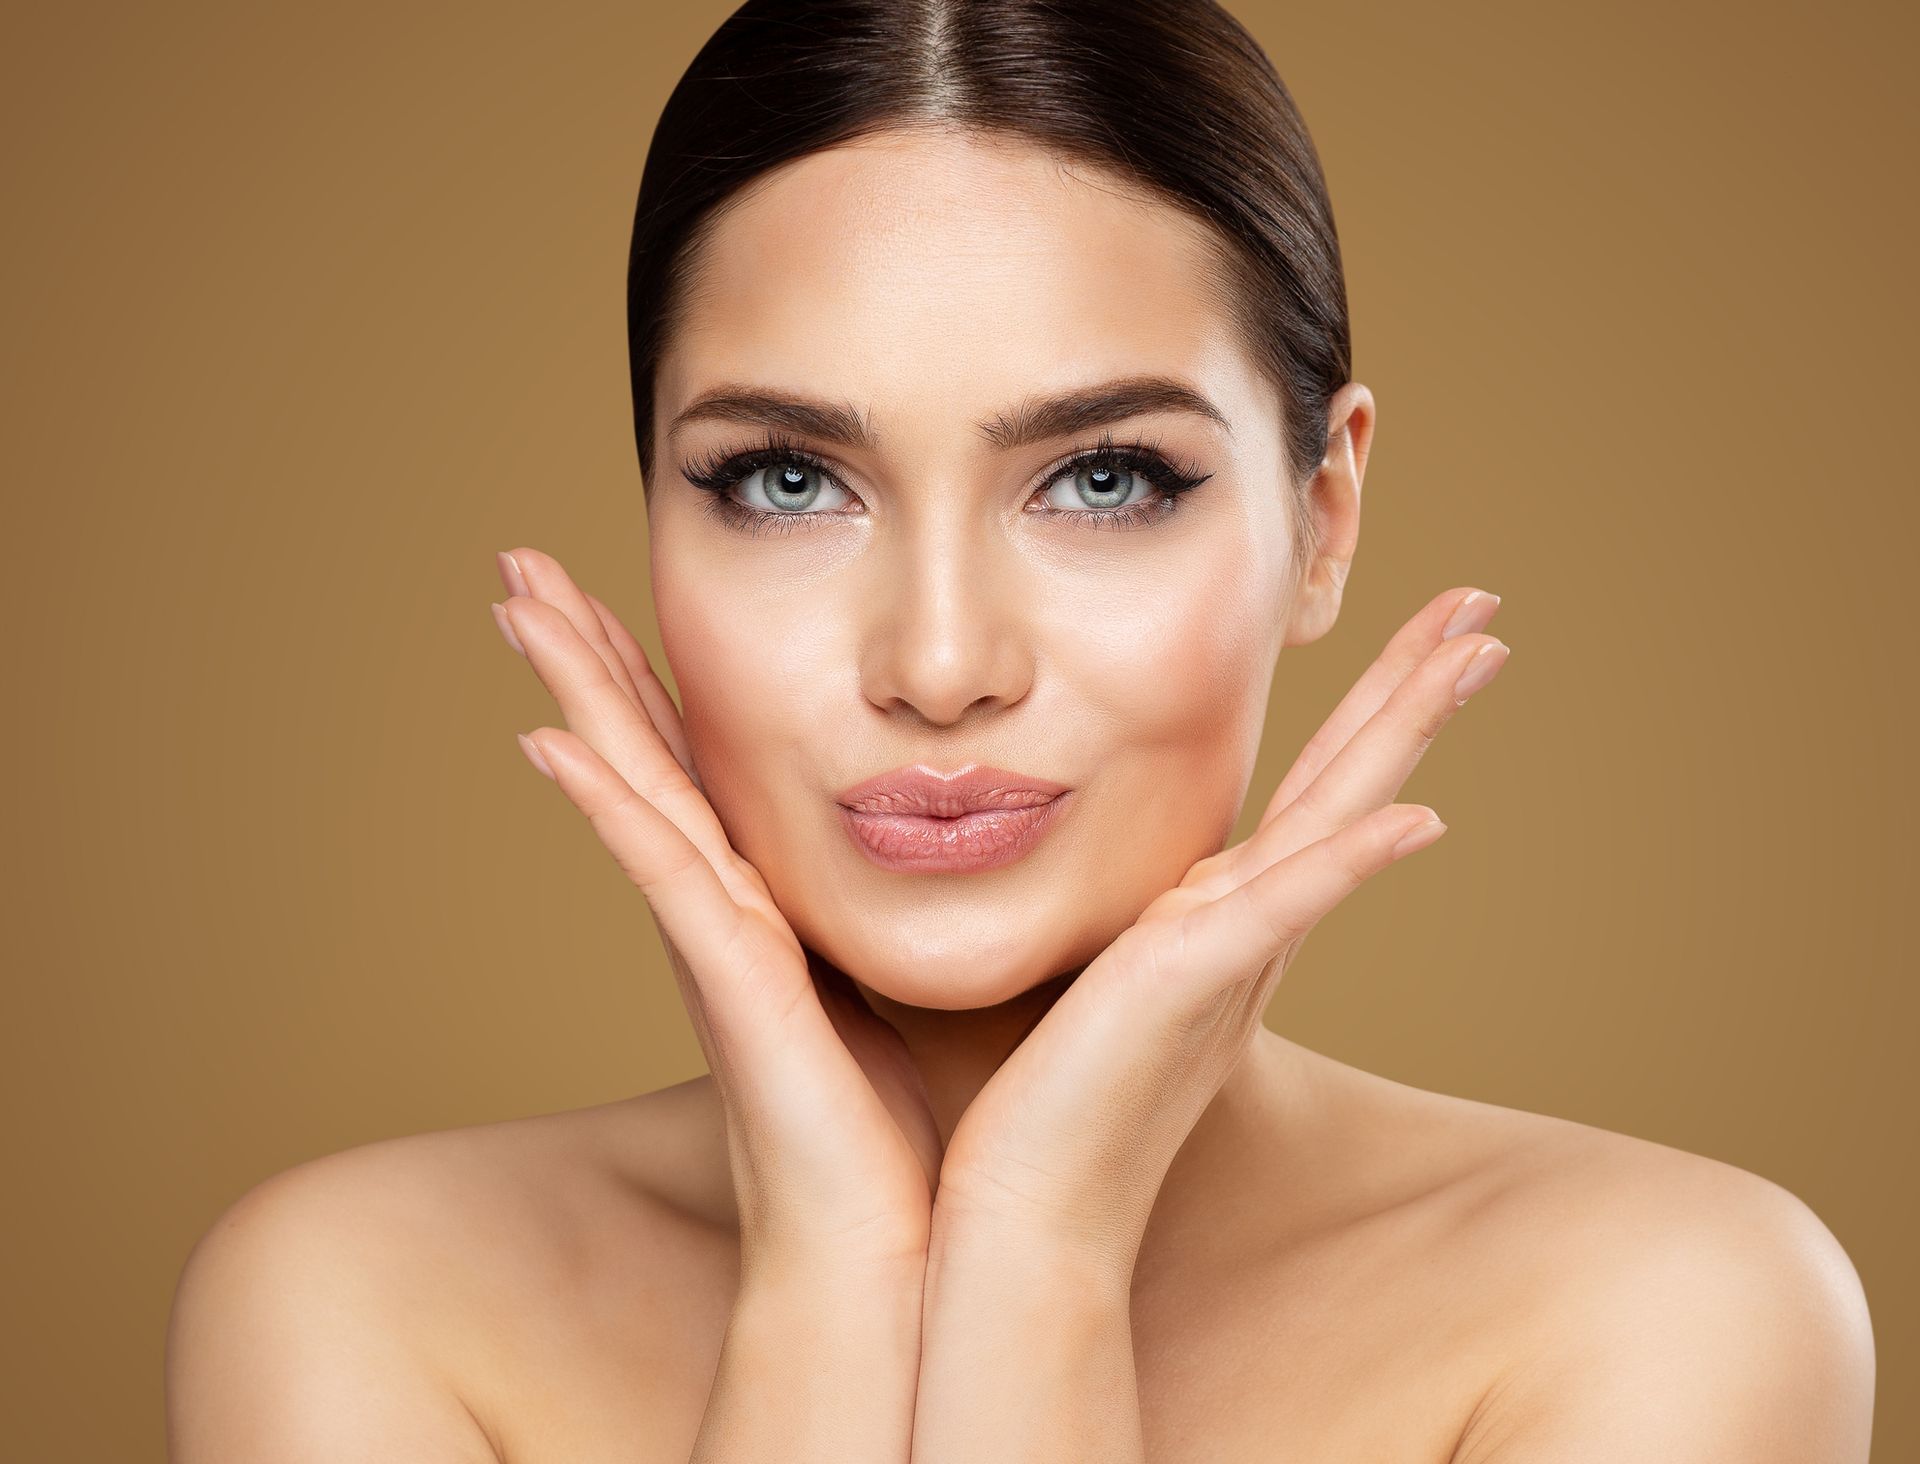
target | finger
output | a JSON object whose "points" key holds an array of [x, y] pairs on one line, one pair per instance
{"points": [[530, 572], [658, 701], [731, 967], [1266, 917], [1374, 765], [600, 710], [1452, 613], [774, 1051], [527, 571]]}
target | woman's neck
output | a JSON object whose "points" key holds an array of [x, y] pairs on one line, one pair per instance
{"points": [[957, 1051], [1253, 1117]]}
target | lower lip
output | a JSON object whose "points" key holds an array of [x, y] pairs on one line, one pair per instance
{"points": [[921, 844]]}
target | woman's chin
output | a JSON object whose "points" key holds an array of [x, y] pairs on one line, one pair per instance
{"points": [[961, 947], [942, 977], [963, 992]]}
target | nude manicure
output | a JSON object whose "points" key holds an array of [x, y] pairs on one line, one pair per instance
{"points": [[1481, 668], [506, 627], [532, 750], [510, 574], [1472, 613]]}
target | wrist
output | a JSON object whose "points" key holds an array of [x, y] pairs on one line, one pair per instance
{"points": [[787, 1277], [815, 1367], [833, 1315], [865, 1262], [1031, 1264]]}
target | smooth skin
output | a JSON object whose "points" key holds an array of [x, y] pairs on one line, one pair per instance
{"points": [[962, 1187], [1048, 1182], [1602, 1296]]}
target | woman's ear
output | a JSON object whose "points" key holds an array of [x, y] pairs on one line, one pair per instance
{"points": [[1333, 506]]}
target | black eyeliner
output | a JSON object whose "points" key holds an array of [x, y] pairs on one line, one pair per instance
{"points": [[719, 472]]}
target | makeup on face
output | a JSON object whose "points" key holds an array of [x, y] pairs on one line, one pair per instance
{"points": [[971, 505], [917, 820]]}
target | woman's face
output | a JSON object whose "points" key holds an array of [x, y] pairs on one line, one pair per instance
{"points": [[945, 592]]}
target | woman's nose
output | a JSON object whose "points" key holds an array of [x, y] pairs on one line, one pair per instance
{"points": [[945, 629]]}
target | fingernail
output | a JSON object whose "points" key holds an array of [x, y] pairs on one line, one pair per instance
{"points": [[510, 575], [1472, 613], [1419, 836], [506, 627], [533, 754], [1480, 670]]}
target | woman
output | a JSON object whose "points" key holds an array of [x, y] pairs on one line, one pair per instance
{"points": [[991, 383]]}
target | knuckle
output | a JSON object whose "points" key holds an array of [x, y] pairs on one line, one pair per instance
{"points": [[1427, 717], [661, 788], [764, 979], [1353, 858], [551, 643], [649, 874], [1312, 803], [1279, 927]]}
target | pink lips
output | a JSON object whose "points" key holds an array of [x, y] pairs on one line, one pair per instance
{"points": [[921, 821]]}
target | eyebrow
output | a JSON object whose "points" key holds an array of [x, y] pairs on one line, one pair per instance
{"points": [[1034, 420]]}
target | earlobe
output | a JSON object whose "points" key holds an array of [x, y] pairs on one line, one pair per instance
{"points": [[1316, 601], [1332, 503]]}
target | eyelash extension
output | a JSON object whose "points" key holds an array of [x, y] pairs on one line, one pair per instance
{"points": [[719, 472], [1167, 478]]}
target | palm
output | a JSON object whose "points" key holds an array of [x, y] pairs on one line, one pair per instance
{"points": [[880, 1136], [1057, 1080], [868, 1125], [1122, 1065], [819, 1077], [902, 1155]]}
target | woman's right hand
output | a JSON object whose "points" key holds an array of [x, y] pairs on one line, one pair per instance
{"points": [[834, 1150]]}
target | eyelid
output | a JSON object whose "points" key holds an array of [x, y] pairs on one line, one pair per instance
{"points": [[717, 474]]}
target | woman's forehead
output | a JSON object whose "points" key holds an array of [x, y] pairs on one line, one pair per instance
{"points": [[947, 276]]}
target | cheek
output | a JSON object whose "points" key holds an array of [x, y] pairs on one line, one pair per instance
{"points": [[1148, 688], [746, 675], [1177, 677]]}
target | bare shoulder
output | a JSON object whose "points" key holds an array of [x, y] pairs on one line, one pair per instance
{"points": [[374, 1294], [1649, 1300]]}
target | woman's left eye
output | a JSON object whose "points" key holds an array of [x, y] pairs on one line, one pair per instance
{"points": [[1097, 486]]}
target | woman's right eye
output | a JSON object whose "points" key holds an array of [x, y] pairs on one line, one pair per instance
{"points": [[773, 485], [788, 487]]}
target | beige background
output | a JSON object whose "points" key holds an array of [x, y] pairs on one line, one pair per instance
{"points": [[305, 310]]}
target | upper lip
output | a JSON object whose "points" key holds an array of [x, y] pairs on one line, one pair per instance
{"points": [[924, 790]]}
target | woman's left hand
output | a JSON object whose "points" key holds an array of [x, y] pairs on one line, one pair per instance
{"points": [[1066, 1146]]}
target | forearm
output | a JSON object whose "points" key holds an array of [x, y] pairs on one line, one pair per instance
{"points": [[1025, 1358], [820, 1368]]}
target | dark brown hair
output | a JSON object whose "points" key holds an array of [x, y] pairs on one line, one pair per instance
{"points": [[1172, 96]]}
